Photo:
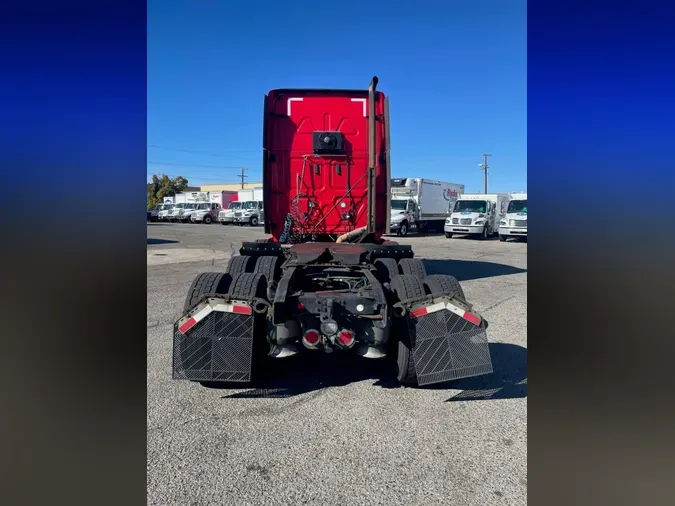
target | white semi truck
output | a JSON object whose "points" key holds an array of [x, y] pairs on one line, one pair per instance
{"points": [[476, 214], [421, 204], [514, 219]]}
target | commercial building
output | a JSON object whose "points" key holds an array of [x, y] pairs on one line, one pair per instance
{"points": [[228, 187]]}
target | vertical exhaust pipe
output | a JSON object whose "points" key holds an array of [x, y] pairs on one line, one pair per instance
{"points": [[372, 146]]}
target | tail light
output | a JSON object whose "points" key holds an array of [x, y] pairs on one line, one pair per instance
{"points": [[311, 338], [346, 338]]}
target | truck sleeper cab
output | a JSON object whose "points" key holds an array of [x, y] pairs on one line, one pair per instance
{"points": [[325, 281]]}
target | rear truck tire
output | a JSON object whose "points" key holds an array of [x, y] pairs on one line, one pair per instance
{"points": [[405, 287], [206, 282], [268, 266], [442, 283], [448, 235], [484, 234], [412, 267], [403, 229], [502, 238], [207, 220], [386, 269], [240, 264], [247, 286], [253, 221]]}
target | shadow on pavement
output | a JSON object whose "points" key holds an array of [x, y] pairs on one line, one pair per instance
{"points": [[464, 270], [160, 241], [305, 373], [507, 381]]}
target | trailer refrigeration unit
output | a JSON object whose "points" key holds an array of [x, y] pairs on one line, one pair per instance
{"points": [[326, 281]]}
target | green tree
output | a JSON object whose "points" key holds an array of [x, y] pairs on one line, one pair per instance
{"points": [[163, 186]]}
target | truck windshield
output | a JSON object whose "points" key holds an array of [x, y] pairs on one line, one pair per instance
{"points": [[251, 205], [517, 206], [470, 206], [398, 205], [180, 206], [191, 206], [234, 205], [166, 207]]}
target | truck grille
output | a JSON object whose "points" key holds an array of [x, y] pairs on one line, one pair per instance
{"points": [[519, 223], [237, 215], [455, 221], [465, 221]]}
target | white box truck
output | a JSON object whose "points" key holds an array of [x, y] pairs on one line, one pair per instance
{"points": [[476, 214], [514, 218], [421, 204], [208, 212], [251, 210], [251, 196]]}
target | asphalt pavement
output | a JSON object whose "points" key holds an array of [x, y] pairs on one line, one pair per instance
{"points": [[339, 430]]}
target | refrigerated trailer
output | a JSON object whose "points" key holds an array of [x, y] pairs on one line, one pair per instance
{"points": [[325, 281], [421, 204]]}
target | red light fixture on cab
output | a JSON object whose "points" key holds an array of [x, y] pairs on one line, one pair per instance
{"points": [[346, 338]]}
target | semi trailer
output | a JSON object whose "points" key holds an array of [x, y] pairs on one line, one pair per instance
{"points": [[326, 281]]}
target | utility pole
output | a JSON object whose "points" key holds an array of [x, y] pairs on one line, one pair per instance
{"points": [[243, 176], [484, 166]]}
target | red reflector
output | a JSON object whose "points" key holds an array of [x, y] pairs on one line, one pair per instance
{"points": [[312, 337], [187, 325], [301, 306], [346, 337], [242, 309], [472, 318], [419, 312]]}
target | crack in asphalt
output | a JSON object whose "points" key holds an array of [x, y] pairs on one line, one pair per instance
{"points": [[498, 304]]}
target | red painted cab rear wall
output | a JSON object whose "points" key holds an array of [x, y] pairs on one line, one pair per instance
{"points": [[336, 185]]}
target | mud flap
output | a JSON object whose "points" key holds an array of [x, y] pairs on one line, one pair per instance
{"points": [[214, 342], [449, 343]]}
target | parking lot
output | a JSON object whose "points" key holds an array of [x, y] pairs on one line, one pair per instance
{"points": [[339, 430]]}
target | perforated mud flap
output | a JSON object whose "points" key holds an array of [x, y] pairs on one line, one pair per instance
{"points": [[214, 342], [449, 343]]}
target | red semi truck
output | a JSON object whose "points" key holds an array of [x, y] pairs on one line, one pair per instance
{"points": [[326, 281]]}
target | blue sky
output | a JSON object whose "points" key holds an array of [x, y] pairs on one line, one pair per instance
{"points": [[455, 72]]}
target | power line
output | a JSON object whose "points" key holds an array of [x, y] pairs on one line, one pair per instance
{"points": [[238, 167], [197, 152], [224, 181]]}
